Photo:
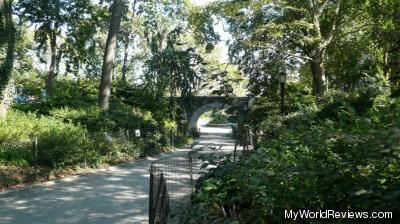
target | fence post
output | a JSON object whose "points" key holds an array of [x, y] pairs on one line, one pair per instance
{"points": [[159, 200], [191, 172], [255, 138], [159, 189], [235, 136], [127, 135], [151, 198], [36, 151], [85, 151], [243, 137], [35, 155], [234, 150], [127, 148]]}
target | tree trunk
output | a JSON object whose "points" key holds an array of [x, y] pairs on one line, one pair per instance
{"points": [[386, 65], [109, 55], [51, 75], [2, 12], [173, 106], [124, 65], [7, 29], [127, 41], [318, 73]]}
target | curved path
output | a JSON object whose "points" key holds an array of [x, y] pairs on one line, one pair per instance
{"points": [[116, 195]]}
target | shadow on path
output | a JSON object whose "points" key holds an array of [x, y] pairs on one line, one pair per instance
{"points": [[117, 195]]}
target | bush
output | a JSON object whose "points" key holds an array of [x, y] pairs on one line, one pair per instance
{"points": [[58, 143], [348, 161], [31, 83], [68, 93], [71, 128], [16, 154], [63, 141], [220, 117]]}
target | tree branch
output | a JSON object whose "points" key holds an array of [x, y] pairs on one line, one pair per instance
{"points": [[323, 6], [311, 3], [355, 30], [334, 26], [297, 44]]}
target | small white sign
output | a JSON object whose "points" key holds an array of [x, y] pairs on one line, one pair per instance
{"points": [[137, 133]]}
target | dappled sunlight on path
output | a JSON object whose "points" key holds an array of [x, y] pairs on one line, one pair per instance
{"points": [[116, 195]]}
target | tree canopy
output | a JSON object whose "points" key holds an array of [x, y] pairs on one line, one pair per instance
{"points": [[317, 81]]}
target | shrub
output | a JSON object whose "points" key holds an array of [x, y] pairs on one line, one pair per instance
{"points": [[31, 83], [58, 143], [68, 93], [16, 154], [346, 163], [220, 117]]}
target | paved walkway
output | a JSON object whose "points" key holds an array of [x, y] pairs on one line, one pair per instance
{"points": [[117, 195]]}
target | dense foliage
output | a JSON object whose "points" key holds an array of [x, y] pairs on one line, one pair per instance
{"points": [[341, 155], [58, 50], [333, 143], [58, 143], [218, 117], [336, 146], [69, 130]]}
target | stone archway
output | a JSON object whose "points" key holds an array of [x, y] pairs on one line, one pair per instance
{"points": [[201, 110]]}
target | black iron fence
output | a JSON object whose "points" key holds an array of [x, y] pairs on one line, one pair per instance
{"points": [[159, 197], [170, 187], [172, 182], [173, 179]]}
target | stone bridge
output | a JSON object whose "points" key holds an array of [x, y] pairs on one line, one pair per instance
{"points": [[197, 105], [201, 104]]}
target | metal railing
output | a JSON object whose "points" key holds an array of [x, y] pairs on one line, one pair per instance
{"points": [[170, 187], [159, 197], [172, 181]]}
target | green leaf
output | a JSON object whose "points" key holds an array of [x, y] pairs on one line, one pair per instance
{"points": [[208, 186], [360, 192]]}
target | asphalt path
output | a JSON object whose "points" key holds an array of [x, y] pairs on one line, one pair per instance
{"points": [[118, 194]]}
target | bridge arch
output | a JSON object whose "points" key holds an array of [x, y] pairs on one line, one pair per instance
{"points": [[201, 110]]}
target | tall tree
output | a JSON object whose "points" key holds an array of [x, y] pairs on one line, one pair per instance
{"points": [[287, 32], [7, 48], [321, 37], [7, 41], [109, 54], [83, 48], [51, 17], [127, 38], [385, 31], [174, 69], [47, 14]]}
